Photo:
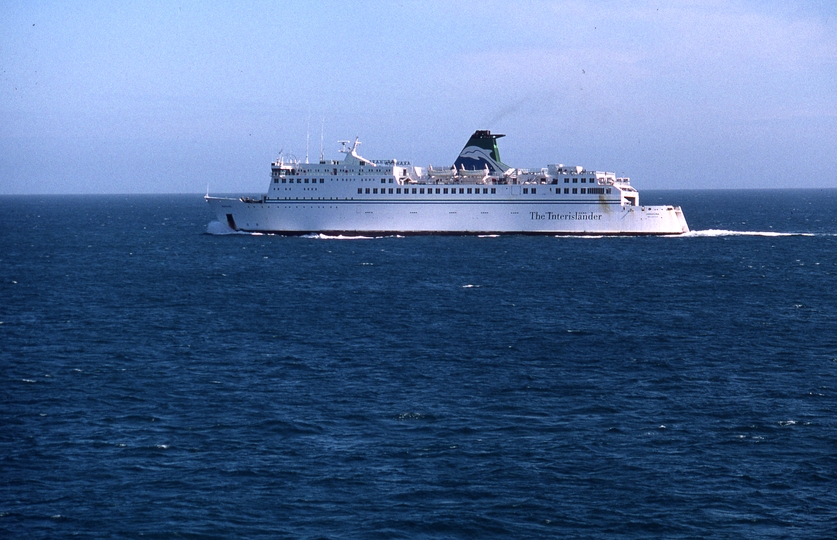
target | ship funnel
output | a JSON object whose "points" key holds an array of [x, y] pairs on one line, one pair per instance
{"points": [[480, 152]]}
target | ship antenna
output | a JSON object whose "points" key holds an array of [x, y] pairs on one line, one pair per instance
{"points": [[307, 136], [322, 129]]}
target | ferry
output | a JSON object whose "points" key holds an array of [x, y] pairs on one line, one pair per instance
{"points": [[478, 194]]}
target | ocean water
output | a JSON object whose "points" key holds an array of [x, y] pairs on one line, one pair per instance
{"points": [[157, 381]]}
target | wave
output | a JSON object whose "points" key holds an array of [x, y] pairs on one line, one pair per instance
{"points": [[320, 236], [709, 233]]}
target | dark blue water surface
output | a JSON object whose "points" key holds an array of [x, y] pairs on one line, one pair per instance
{"points": [[158, 381]]}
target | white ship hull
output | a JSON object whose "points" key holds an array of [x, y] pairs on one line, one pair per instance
{"points": [[478, 195], [352, 217]]}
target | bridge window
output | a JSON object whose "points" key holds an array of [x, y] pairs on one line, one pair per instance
{"points": [[494, 190]]}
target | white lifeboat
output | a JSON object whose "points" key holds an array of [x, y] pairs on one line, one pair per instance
{"points": [[441, 173]]}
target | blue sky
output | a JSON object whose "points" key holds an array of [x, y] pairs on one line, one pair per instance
{"points": [[172, 97]]}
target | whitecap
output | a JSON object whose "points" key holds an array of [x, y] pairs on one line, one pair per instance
{"points": [[321, 236], [711, 233]]}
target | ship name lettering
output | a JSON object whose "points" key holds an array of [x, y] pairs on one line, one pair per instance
{"points": [[552, 216]]}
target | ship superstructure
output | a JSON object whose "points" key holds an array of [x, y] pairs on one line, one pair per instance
{"points": [[478, 194]]}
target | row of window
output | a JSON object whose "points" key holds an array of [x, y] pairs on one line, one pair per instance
{"points": [[584, 191], [428, 191], [314, 180], [445, 191], [590, 191], [334, 172], [298, 181], [475, 191], [384, 181]]}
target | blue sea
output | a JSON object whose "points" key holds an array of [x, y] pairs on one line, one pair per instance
{"points": [[157, 381]]}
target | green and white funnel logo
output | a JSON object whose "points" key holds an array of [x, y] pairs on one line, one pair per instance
{"points": [[481, 152]]}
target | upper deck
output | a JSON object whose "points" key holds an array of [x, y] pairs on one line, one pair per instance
{"points": [[358, 177]]}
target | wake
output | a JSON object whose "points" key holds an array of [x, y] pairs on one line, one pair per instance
{"points": [[712, 233]]}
